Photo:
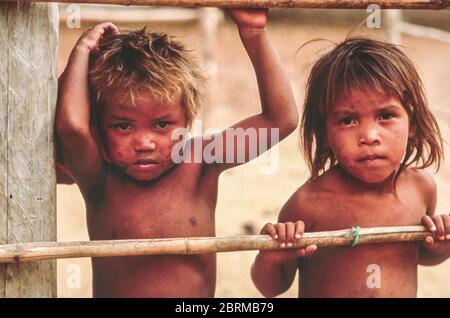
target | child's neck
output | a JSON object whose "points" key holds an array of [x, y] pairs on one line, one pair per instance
{"points": [[387, 186], [130, 181]]}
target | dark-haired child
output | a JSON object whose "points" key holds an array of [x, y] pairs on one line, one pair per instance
{"points": [[367, 134]]}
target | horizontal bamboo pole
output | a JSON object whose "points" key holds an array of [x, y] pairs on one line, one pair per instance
{"points": [[35, 251], [329, 4]]}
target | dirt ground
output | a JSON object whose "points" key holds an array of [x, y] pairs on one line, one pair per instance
{"points": [[247, 198]]}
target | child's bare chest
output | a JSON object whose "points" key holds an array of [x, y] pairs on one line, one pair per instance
{"points": [[172, 207], [370, 211], [345, 270]]}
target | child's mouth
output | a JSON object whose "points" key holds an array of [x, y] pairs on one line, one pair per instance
{"points": [[371, 159], [145, 164]]}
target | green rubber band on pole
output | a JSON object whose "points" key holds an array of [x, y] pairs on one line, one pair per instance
{"points": [[355, 234]]}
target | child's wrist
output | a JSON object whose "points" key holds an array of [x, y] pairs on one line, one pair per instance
{"points": [[266, 257], [81, 48], [251, 32], [445, 250], [438, 251]]}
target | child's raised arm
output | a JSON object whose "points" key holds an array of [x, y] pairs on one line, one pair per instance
{"points": [[73, 113], [278, 109]]}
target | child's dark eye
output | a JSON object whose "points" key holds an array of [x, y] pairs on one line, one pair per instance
{"points": [[162, 124], [122, 126], [347, 121], [386, 116]]}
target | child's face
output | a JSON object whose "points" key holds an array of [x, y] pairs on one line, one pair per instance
{"points": [[138, 140], [368, 134]]}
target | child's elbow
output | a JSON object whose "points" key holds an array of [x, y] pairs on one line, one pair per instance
{"points": [[269, 293], [428, 262], [289, 125], [293, 123], [70, 131], [268, 288]]}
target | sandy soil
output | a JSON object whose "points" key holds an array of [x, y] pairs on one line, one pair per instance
{"points": [[248, 198]]}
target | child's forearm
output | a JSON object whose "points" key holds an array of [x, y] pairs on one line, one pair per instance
{"points": [[268, 277], [277, 100], [428, 258], [73, 109]]}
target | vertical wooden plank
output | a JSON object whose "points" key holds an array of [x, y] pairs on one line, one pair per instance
{"points": [[3, 139], [31, 88]]}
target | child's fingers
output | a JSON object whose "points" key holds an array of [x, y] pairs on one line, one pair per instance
{"points": [[446, 220], [307, 251], [269, 228], [428, 223], [105, 26], [440, 231], [109, 27], [310, 249], [428, 242], [299, 229], [91, 36], [286, 255], [114, 29], [281, 231], [97, 31], [290, 233]]}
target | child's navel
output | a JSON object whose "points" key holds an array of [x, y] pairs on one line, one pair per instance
{"points": [[193, 221]]}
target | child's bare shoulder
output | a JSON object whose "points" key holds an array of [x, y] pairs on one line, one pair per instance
{"points": [[421, 177], [309, 200], [423, 181]]}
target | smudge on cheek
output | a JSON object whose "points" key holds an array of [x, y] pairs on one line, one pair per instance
{"points": [[343, 156], [119, 156]]}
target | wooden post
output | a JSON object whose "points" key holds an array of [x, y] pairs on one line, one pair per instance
{"points": [[28, 88]]}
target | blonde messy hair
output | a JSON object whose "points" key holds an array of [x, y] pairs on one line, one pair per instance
{"points": [[366, 64], [141, 62]]}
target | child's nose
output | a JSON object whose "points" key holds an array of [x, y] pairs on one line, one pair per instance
{"points": [[145, 142], [369, 137]]}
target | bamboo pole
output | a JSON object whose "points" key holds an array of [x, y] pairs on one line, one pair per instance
{"points": [[336, 4], [36, 251]]}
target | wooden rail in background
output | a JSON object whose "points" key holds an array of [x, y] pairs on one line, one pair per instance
{"points": [[325, 4]]}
